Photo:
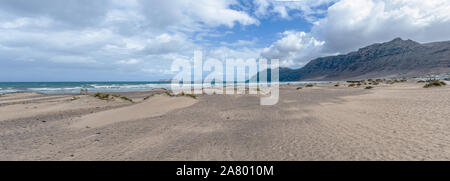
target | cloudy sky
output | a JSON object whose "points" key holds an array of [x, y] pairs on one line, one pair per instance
{"points": [[125, 40]]}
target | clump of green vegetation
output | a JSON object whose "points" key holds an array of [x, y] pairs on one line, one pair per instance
{"points": [[75, 98], [102, 96], [309, 85], [107, 97], [298, 88], [352, 85], [337, 85], [169, 93], [258, 89], [435, 83], [188, 95], [421, 81], [126, 98], [375, 83], [369, 87], [358, 84], [191, 95]]}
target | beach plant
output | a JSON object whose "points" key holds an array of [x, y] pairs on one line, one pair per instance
{"points": [[309, 85], [126, 98], [102, 96], [169, 93], [191, 95], [435, 83], [369, 87], [421, 81], [75, 98], [187, 95], [336, 85], [352, 85], [298, 88]]}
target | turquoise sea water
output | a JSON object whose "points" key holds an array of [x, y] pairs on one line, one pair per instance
{"points": [[75, 87]]}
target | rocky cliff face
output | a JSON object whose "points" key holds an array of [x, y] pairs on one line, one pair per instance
{"points": [[395, 58]]}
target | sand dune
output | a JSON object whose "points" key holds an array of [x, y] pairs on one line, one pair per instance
{"points": [[50, 105], [155, 106]]}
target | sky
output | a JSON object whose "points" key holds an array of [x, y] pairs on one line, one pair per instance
{"points": [[137, 40]]}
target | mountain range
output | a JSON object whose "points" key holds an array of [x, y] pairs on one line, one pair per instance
{"points": [[396, 58]]}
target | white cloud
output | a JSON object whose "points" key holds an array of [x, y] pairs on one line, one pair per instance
{"points": [[288, 63], [191, 16], [351, 24], [223, 53], [293, 45], [109, 35], [132, 61]]}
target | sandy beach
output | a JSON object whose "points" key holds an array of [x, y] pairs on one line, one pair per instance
{"points": [[403, 121]]}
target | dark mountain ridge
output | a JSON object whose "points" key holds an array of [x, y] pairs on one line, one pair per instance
{"points": [[396, 58]]}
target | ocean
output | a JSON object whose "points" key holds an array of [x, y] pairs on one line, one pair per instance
{"points": [[75, 87]]}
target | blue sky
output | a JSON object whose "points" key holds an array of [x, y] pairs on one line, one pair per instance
{"points": [[137, 40]]}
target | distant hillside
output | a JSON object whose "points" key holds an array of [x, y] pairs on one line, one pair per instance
{"points": [[397, 58]]}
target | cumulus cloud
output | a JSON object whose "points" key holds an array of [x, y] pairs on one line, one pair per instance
{"points": [[294, 46], [107, 35], [193, 15], [351, 24]]}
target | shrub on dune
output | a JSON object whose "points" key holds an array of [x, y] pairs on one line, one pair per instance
{"points": [[102, 96], [435, 83], [107, 97], [126, 99], [169, 93]]}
